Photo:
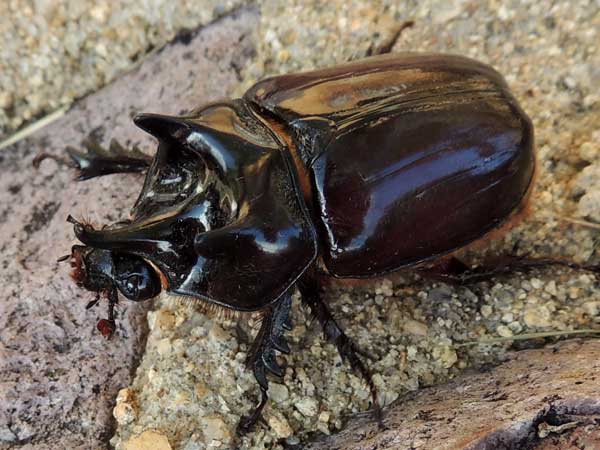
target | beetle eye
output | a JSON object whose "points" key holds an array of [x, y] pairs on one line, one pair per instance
{"points": [[135, 278], [132, 284]]}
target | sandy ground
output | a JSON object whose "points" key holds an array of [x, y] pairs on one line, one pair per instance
{"points": [[191, 386]]}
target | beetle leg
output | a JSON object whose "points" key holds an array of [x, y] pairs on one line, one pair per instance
{"points": [[261, 357], [454, 271], [97, 161], [387, 45], [311, 296], [108, 326]]}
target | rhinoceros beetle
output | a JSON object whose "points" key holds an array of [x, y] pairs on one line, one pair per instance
{"points": [[355, 171]]}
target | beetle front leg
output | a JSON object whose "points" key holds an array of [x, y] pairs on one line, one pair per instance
{"points": [[311, 296], [454, 271], [108, 326], [261, 357], [97, 161]]}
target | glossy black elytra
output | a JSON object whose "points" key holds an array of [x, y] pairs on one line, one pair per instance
{"points": [[381, 164]]}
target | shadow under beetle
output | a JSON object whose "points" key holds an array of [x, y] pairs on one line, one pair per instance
{"points": [[386, 163]]}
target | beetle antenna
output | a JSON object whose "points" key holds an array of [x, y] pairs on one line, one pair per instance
{"points": [[43, 155], [63, 258], [72, 220]]}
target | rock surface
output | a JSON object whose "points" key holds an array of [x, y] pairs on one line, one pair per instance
{"points": [[62, 50], [59, 376], [149, 440], [414, 331], [516, 405], [191, 385]]}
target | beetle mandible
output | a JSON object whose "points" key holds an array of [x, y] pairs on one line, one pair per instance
{"points": [[358, 170]]}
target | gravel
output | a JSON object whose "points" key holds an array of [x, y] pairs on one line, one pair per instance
{"points": [[191, 386], [412, 329], [62, 50]]}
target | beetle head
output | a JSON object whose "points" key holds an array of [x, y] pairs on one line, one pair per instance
{"points": [[104, 272], [219, 208], [99, 270]]}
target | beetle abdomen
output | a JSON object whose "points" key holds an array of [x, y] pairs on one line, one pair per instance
{"points": [[421, 155], [421, 185]]}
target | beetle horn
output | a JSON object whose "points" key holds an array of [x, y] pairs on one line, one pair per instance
{"points": [[225, 134], [195, 136], [163, 127], [139, 238]]}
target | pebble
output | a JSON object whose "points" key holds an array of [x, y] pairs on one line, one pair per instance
{"points": [[588, 151], [587, 184], [414, 327], [504, 331], [214, 428], [446, 355], [507, 317], [448, 11], [6, 100], [164, 347], [280, 426], [587, 180], [201, 389], [592, 308], [217, 334], [573, 292], [307, 406], [486, 311], [125, 410], [164, 320], [515, 327], [278, 392], [148, 440], [589, 206], [550, 288], [538, 316], [324, 416], [536, 283]]}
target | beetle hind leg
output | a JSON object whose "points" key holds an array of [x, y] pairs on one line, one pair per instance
{"points": [[261, 357], [348, 351], [97, 161], [454, 271]]}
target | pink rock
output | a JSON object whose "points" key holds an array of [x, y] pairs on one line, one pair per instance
{"points": [[59, 376]]}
